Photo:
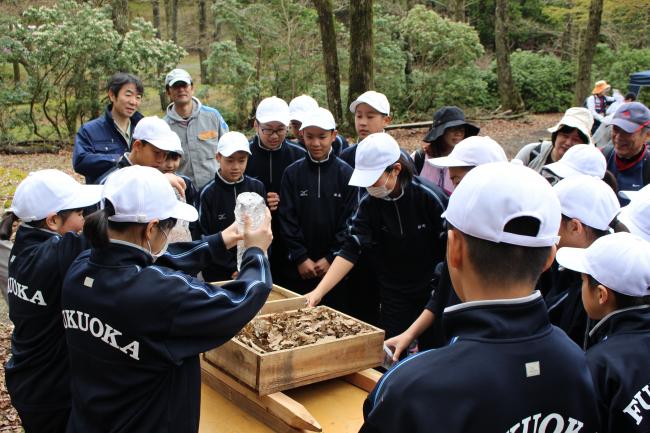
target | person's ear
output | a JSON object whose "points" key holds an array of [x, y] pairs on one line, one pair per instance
{"points": [[575, 226], [604, 296], [219, 157], [550, 258], [335, 133], [150, 229], [52, 221], [168, 91], [455, 247], [255, 124], [112, 97], [387, 120], [397, 168], [137, 146]]}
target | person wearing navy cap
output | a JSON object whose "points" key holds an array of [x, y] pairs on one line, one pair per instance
{"points": [[506, 368], [628, 157], [135, 326], [49, 205], [616, 291]]}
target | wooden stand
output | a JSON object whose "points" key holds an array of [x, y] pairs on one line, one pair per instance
{"points": [[277, 410]]}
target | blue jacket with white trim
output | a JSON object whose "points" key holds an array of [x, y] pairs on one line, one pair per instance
{"points": [[618, 356], [405, 236], [98, 145], [268, 166], [507, 369], [37, 373], [135, 329], [316, 204]]}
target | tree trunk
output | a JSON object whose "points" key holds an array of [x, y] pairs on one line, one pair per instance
{"points": [[202, 43], [174, 18], [330, 57], [587, 50], [168, 18], [508, 93], [458, 10], [16, 73], [361, 72], [155, 7], [120, 15]]}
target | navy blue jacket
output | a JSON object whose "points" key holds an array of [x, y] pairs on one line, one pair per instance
{"points": [[37, 373], [618, 356], [564, 301], [98, 145], [217, 212], [316, 204], [634, 176], [507, 369], [268, 166], [134, 331]]}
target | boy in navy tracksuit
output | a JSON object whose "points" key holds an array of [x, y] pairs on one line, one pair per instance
{"points": [[316, 204], [134, 328], [616, 291], [271, 154], [506, 368], [49, 203], [218, 197]]}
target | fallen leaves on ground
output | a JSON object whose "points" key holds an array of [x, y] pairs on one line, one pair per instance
{"points": [[9, 420], [298, 328]]}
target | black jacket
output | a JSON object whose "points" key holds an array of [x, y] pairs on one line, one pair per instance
{"points": [[217, 212], [405, 235], [564, 302], [507, 369], [268, 166], [134, 332], [618, 356], [37, 372], [316, 204]]}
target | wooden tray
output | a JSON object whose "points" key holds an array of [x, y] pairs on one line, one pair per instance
{"points": [[271, 372], [279, 300]]}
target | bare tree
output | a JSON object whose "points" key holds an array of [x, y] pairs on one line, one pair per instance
{"points": [[174, 19], [330, 57], [361, 72], [120, 15], [508, 93], [162, 95], [202, 43], [457, 9], [587, 50]]}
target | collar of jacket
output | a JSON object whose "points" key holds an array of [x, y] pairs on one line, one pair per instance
{"points": [[134, 119], [258, 142], [620, 321], [218, 178], [121, 253], [29, 234], [499, 319], [196, 107], [328, 160]]}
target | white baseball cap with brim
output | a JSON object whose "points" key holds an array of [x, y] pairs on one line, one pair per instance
{"points": [[494, 194], [321, 118], [587, 199], [376, 100], [142, 194], [472, 152], [232, 142], [157, 132], [374, 155], [273, 109], [177, 76], [45, 192], [580, 159], [633, 195], [636, 216], [620, 262], [579, 118], [300, 106]]}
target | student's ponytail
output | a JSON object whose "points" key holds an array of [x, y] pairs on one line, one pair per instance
{"points": [[96, 226], [6, 225]]}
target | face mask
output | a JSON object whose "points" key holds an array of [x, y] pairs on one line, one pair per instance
{"points": [[162, 251], [379, 191]]}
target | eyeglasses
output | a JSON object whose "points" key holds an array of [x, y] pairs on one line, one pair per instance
{"points": [[270, 132]]}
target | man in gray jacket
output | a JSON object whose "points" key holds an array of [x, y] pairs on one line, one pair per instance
{"points": [[198, 126]]}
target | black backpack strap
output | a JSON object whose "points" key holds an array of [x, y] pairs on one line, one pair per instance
{"points": [[419, 160], [534, 152]]}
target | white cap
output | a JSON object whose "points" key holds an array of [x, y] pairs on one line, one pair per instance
{"points": [[587, 199], [579, 118], [491, 195], [177, 75], [580, 159], [300, 106], [636, 216], [273, 109], [320, 118], [620, 262], [46, 192], [141, 194], [375, 153], [376, 100], [156, 131], [634, 195], [472, 152], [232, 142]]}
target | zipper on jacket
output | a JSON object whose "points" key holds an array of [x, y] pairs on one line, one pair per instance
{"points": [[319, 181], [399, 219], [234, 190], [270, 168]]}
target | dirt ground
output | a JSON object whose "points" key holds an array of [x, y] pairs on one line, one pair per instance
{"points": [[511, 134]]}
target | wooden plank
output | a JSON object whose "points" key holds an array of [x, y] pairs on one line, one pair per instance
{"points": [[281, 305], [238, 360], [365, 380], [279, 405]]}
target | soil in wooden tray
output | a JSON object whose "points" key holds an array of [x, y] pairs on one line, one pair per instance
{"points": [[298, 328]]}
